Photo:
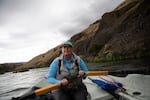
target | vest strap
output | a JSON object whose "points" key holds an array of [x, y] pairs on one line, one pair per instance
{"points": [[60, 59]]}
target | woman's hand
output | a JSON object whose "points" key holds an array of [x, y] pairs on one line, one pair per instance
{"points": [[81, 73], [64, 82]]}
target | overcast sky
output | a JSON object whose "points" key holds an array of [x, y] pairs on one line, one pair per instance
{"points": [[31, 27]]}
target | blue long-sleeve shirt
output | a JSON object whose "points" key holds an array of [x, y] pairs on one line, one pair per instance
{"points": [[53, 68]]}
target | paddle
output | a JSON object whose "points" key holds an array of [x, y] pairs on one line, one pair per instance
{"points": [[89, 73], [122, 73], [38, 92]]}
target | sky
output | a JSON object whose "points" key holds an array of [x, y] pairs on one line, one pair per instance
{"points": [[29, 28]]}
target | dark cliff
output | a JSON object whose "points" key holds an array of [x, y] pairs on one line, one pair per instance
{"points": [[123, 33]]}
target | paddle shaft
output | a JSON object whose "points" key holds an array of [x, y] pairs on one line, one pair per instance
{"points": [[96, 73], [123, 72], [46, 89]]}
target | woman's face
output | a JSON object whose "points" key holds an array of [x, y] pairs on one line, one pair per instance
{"points": [[67, 50]]}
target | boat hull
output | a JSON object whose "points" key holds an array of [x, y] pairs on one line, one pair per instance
{"points": [[136, 85]]}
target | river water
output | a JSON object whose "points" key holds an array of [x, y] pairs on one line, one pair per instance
{"points": [[16, 84]]}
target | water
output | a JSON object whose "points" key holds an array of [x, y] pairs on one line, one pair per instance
{"points": [[16, 84]]}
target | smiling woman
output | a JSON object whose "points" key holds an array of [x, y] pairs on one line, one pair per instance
{"points": [[68, 69]]}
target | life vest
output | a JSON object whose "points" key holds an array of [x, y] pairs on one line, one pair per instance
{"points": [[70, 75], [63, 71]]}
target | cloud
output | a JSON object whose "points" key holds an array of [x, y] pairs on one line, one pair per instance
{"points": [[31, 27]]}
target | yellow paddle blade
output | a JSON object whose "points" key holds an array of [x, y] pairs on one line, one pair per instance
{"points": [[47, 89], [95, 73]]}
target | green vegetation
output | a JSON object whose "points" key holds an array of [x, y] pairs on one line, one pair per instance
{"points": [[1, 72], [20, 70], [42, 65], [111, 57], [94, 49], [99, 59]]}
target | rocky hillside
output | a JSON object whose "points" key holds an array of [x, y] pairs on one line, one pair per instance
{"points": [[120, 34]]}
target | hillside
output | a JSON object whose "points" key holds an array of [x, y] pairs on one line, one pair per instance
{"points": [[120, 34], [7, 67]]}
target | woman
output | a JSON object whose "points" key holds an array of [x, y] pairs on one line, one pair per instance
{"points": [[68, 69]]}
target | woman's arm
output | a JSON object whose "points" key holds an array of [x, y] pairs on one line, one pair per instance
{"points": [[52, 72]]}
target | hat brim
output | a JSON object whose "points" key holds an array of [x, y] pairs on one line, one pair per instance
{"points": [[67, 45]]}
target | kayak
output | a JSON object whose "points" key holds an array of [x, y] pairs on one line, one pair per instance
{"points": [[136, 86]]}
